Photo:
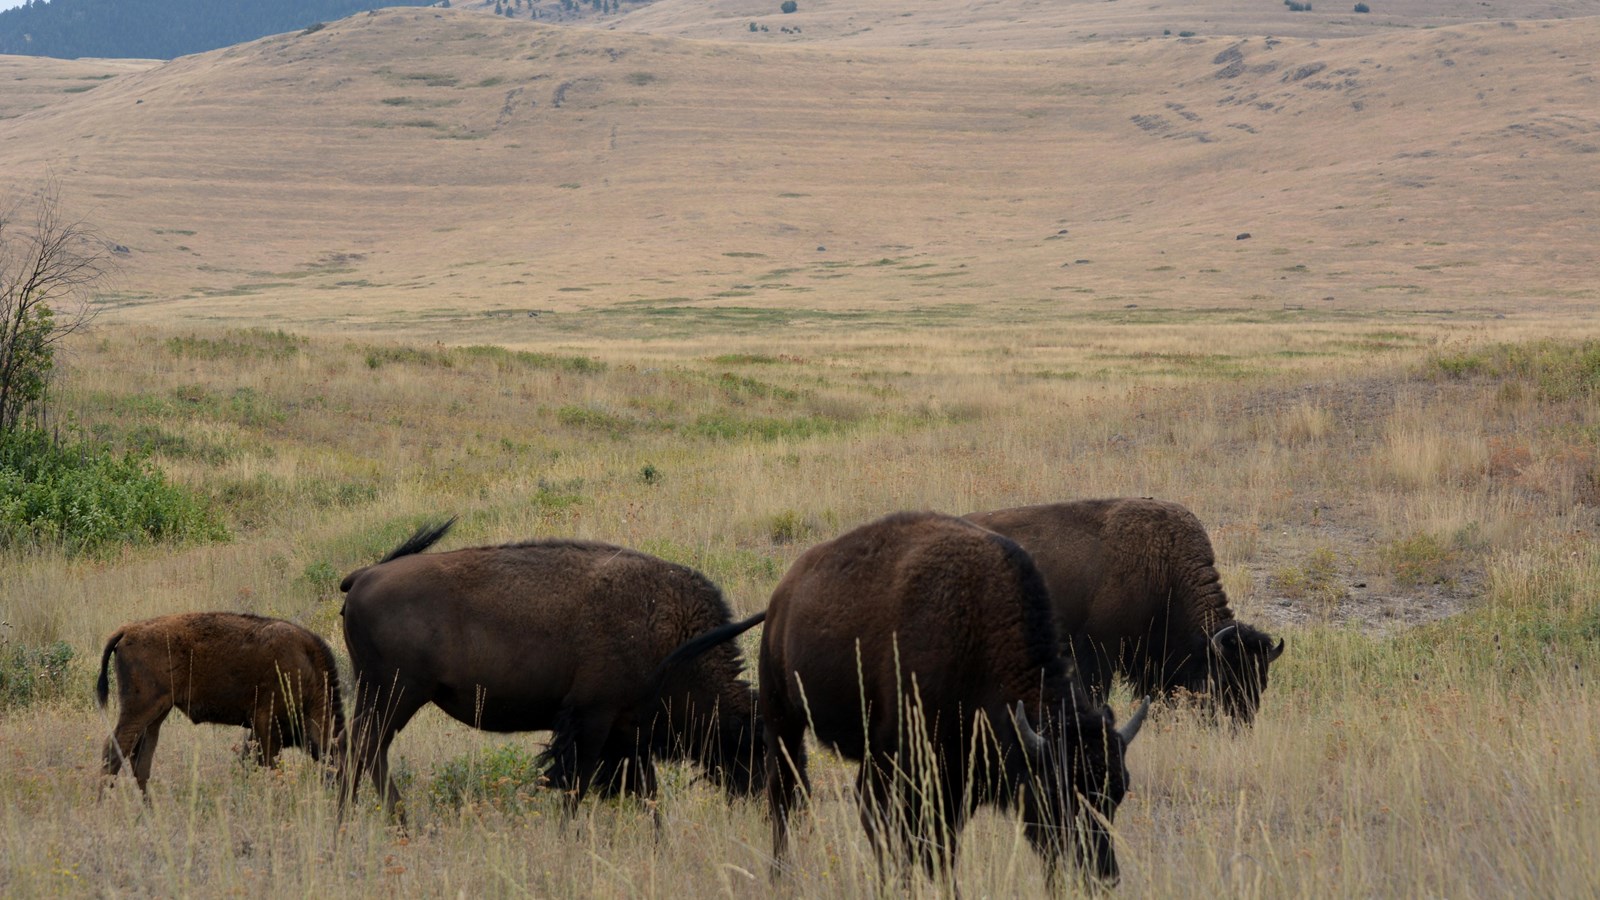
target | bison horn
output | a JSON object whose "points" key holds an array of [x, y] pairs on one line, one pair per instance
{"points": [[1277, 651], [1030, 738], [1222, 635], [1130, 730]]}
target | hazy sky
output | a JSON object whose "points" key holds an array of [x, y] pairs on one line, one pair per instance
{"points": [[7, 4]]}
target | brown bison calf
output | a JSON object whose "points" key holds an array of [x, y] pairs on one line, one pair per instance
{"points": [[271, 676]]}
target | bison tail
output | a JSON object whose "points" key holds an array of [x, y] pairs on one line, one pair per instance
{"points": [[102, 687], [695, 646], [424, 537]]}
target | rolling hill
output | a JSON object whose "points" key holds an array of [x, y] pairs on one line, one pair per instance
{"points": [[443, 171]]}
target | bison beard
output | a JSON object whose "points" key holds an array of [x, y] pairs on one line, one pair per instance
{"points": [[923, 647], [560, 635]]}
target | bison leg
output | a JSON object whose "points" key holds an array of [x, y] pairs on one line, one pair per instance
{"points": [[134, 743], [910, 815], [268, 738], [787, 781], [585, 755], [375, 725], [144, 753]]}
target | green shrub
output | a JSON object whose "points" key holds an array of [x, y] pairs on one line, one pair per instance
{"points": [[83, 498], [31, 674], [1363, 8], [1315, 581], [505, 777], [788, 6], [789, 526], [1424, 558]]}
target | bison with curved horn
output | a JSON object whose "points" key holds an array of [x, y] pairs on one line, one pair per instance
{"points": [[923, 647], [273, 677], [554, 634], [1136, 593]]}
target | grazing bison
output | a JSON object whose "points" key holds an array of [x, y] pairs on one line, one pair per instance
{"points": [[271, 676], [556, 634], [923, 646], [1135, 589]]}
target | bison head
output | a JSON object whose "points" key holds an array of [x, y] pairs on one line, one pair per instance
{"points": [[1079, 780], [1240, 657], [739, 763]]}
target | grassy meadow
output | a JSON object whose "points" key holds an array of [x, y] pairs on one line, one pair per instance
{"points": [[1411, 504]]}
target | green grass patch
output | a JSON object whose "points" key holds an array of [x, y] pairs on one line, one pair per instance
{"points": [[725, 566], [1555, 370], [728, 427], [246, 344], [508, 360], [739, 387], [431, 79], [149, 439], [591, 418]]}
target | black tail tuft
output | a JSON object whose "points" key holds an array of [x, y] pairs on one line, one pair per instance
{"points": [[699, 644], [424, 537], [102, 687]]}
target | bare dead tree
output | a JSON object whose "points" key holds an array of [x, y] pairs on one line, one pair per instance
{"points": [[49, 267]]}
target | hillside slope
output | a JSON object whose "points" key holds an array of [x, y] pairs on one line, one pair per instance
{"points": [[435, 169], [1050, 24]]}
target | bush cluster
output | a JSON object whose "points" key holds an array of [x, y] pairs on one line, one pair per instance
{"points": [[84, 498], [30, 674], [505, 777]]}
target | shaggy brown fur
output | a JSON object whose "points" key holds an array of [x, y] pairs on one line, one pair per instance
{"points": [[1135, 589], [943, 630], [271, 676], [561, 635]]}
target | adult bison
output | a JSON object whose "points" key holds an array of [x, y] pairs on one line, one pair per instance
{"points": [[273, 677], [555, 634], [1136, 593], [923, 646]]}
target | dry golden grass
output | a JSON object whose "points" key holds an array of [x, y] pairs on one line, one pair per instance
{"points": [[1451, 758]]}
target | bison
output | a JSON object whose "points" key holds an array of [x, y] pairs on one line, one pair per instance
{"points": [[554, 634], [1136, 593], [273, 677], [923, 647]]}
